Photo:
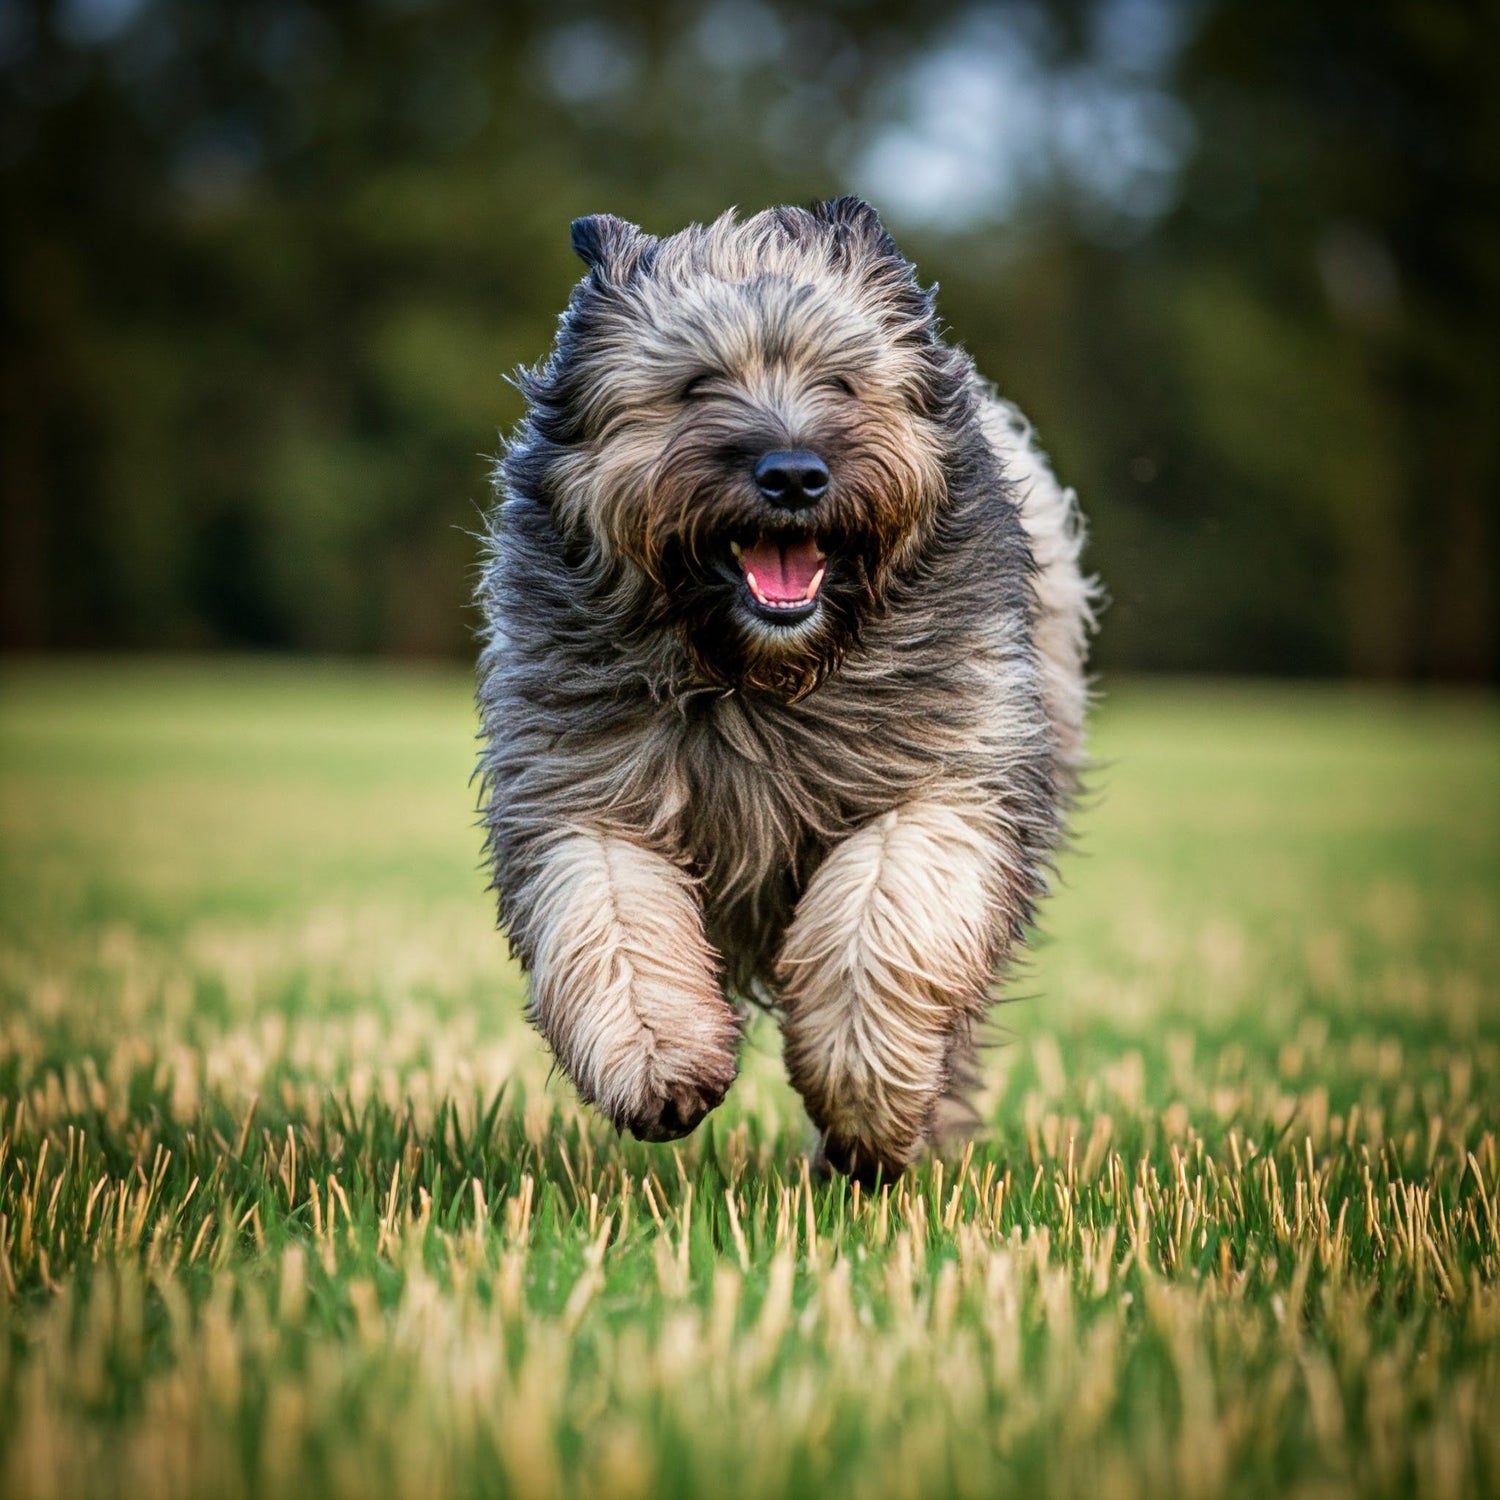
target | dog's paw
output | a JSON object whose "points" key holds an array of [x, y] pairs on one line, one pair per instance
{"points": [[678, 1108], [860, 1161]]}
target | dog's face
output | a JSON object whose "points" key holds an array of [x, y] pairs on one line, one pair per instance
{"points": [[755, 416]]}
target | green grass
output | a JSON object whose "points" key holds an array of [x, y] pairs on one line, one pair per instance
{"points": [[288, 1205]]}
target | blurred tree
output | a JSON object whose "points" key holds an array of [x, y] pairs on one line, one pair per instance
{"points": [[1347, 198], [266, 264]]}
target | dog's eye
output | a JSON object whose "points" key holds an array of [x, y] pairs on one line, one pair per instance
{"points": [[837, 383], [698, 385]]}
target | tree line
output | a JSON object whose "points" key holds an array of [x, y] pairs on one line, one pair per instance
{"points": [[266, 266]]}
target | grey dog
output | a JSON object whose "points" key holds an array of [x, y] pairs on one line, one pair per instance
{"points": [[783, 682]]}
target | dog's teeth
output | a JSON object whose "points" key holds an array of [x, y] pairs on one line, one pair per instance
{"points": [[735, 548], [755, 587], [816, 584]]}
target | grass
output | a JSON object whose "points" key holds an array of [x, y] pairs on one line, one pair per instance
{"points": [[289, 1206]]}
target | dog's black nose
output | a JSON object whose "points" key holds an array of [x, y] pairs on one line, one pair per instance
{"points": [[792, 480]]}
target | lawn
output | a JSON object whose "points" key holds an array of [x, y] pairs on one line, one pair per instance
{"points": [[290, 1206]]}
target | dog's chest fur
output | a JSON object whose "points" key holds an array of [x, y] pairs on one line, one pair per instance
{"points": [[759, 790], [764, 799]]}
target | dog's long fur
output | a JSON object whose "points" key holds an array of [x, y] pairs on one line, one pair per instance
{"points": [[687, 806]]}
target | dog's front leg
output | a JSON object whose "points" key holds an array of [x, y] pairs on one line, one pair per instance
{"points": [[885, 967], [625, 986]]}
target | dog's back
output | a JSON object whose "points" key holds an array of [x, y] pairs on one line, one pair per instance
{"points": [[1063, 614]]}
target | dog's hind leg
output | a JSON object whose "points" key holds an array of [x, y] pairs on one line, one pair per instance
{"points": [[884, 970], [624, 985]]}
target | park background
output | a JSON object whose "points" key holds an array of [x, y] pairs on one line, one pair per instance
{"points": [[267, 265], [290, 1200]]}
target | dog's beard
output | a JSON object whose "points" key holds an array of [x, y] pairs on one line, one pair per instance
{"points": [[780, 630]]}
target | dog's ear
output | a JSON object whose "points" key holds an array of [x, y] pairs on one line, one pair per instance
{"points": [[856, 227], [858, 242], [849, 211], [613, 249]]}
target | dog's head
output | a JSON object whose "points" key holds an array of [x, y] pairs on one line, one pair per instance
{"points": [[755, 416]]}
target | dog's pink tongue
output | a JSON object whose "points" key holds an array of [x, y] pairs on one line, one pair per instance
{"points": [[784, 570]]}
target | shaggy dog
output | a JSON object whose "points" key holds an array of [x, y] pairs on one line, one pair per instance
{"points": [[783, 687]]}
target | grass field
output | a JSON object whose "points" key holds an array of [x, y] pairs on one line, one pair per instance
{"points": [[288, 1205]]}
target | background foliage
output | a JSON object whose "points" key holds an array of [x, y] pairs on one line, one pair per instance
{"points": [[265, 266]]}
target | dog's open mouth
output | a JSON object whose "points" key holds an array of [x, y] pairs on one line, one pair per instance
{"points": [[783, 575]]}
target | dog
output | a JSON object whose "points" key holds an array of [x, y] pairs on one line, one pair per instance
{"points": [[782, 683]]}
